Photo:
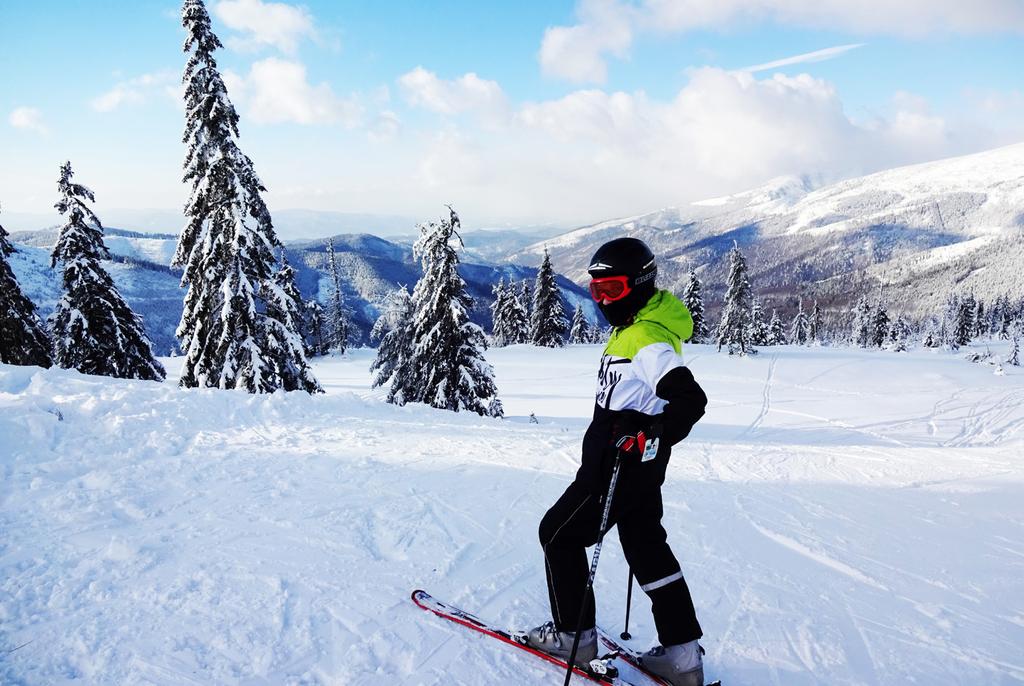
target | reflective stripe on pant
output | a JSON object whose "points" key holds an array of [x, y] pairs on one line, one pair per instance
{"points": [[571, 525]]}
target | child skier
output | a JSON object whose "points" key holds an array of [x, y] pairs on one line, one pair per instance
{"points": [[645, 394]]}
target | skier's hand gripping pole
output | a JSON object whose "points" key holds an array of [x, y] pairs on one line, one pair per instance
{"points": [[622, 447]]}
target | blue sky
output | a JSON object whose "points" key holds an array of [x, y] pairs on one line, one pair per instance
{"points": [[517, 113]]}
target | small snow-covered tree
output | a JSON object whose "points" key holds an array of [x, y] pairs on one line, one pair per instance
{"points": [[963, 327], [282, 333], [316, 342], [226, 247], [337, 313], [24, 339], [448, 365], [817, 324], [1014, 357], [880, 325], [394, 360], [500, 335], [758, 325], [899, 334], [94, 329], [776, 332], [693, 298], [548, 326], [800, 330], [863, 321], [579, 332], [734, 330], [517, 319]]}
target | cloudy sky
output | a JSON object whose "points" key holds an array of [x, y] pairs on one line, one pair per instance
{"points": [[546, 111]]}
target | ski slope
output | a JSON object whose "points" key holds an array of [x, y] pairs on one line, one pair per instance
{"points": [[842, 516]]}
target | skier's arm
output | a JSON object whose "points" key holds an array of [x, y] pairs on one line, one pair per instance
{"points": [[663, 370], [686, 403]]}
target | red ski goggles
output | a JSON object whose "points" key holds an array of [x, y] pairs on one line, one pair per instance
{"points": [[609, 288]]}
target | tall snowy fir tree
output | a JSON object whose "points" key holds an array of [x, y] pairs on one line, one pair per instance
{"points": [[817, 324], [734, 330], [448, 366], [94, 329], [393, 364], [282, 333], [500, 335], [516, 318], [316, 341], [800, 331], [580, 331], [863, 322], [693, 298], [880, 325], [963, 327], [776, 332], [547, 325], [24, 339], [337, 313], [758, 325], [226, 247]]}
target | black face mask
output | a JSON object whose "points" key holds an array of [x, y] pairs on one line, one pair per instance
{"points": [[621, 312]]}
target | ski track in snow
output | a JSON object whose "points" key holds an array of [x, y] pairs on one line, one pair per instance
{"points": [[842, 516]]}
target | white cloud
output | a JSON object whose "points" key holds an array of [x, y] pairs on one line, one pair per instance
{"points": [[277, 91], [608, 27], [816, 56], [138, 90], [29, 119], [265, 24], [468, 93]]}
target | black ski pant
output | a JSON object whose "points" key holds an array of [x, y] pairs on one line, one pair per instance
{"points": [[571, 525]]}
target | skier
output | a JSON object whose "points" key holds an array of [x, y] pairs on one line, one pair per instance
{"points": [[646, 394]]}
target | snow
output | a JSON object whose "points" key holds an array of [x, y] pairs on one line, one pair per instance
{"points": [[842, 516]]}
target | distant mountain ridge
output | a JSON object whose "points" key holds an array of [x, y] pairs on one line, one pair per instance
{"points": [[371, 268], [916, 232]]}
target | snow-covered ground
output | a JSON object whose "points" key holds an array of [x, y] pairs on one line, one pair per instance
{"points": [[843, 517]]}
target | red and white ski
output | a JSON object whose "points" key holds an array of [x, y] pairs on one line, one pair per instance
{"points": [[619, 666]]}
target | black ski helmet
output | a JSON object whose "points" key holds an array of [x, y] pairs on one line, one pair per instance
{"points": [[629, 257]]}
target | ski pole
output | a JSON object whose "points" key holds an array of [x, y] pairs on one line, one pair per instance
{"points": [[593, 565], [625, 636]]}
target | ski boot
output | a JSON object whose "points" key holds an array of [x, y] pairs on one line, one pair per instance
{"points": [[680, 665], [547, 639]]}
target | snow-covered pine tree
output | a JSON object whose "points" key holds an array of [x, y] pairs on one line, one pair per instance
{"points": [[734, 331], [817, 323], [693, 298], [526, 299], [863, 321], [316, 342], [880, 325], [499, 311], [1014, 358], [24, 339], [579, 332], [226, 247], [448, 365], [800, 331], [393, 363], [547, 326], [899, 334], [282, 333], [980, 320], [337, 313], [94, 329], [776, 332], [1007, 319], [758, 326], [963, 326], [517, 320]]}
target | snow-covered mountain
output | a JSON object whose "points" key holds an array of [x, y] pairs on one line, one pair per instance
{"points": [[371, 268], [917, 231]]}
